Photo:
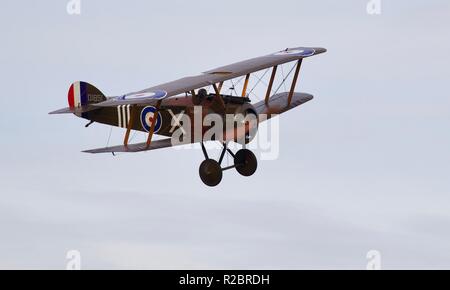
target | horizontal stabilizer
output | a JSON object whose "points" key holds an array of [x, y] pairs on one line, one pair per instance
{"points": [[76, 111], [138, 147]]}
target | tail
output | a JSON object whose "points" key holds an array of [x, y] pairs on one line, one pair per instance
{"points": [[80, 96]]}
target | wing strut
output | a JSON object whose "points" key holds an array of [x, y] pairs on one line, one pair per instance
{"points": [[218, 96], [269, 88], [152, 127], [294, 81], [220, 86], [244, 90]]}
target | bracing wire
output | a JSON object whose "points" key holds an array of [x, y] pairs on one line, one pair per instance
{"points": [[282, 73], [109, 136], [284, 80], [133, 135], [233, 88], [260, 79]]}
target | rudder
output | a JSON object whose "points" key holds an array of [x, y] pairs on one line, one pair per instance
{"points": [[82, 94]]}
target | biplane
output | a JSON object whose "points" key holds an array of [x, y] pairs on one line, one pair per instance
{"points": [[158, 110]]}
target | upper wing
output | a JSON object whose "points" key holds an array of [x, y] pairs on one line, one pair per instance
{"points": [[224, 73]]}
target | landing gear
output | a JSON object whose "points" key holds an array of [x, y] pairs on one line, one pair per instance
{"points": [[211, 172]]}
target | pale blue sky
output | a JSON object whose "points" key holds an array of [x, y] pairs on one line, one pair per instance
{"points": [[363, 166]]}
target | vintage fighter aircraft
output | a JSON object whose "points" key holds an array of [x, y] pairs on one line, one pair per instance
{"points": [[154, 110]]}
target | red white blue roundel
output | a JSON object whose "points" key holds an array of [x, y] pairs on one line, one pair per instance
{"points": [[297, 52], [156, 95], [147, 117]]}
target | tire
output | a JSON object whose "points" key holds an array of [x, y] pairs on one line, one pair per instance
{"points": [[245, 162], [210, 172]]}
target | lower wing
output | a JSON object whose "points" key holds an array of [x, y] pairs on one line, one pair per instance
{"points": [[277, 104], [138, 147]]}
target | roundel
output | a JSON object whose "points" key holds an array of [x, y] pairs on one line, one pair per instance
{"points": [[156, 95], [299, 52], [147, 117]]}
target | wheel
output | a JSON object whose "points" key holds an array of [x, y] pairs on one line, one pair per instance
{"points": [[198, 98], [245, 162], [210, 172]]}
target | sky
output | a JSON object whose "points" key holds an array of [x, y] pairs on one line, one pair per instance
{"points": [[364, 166]]}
